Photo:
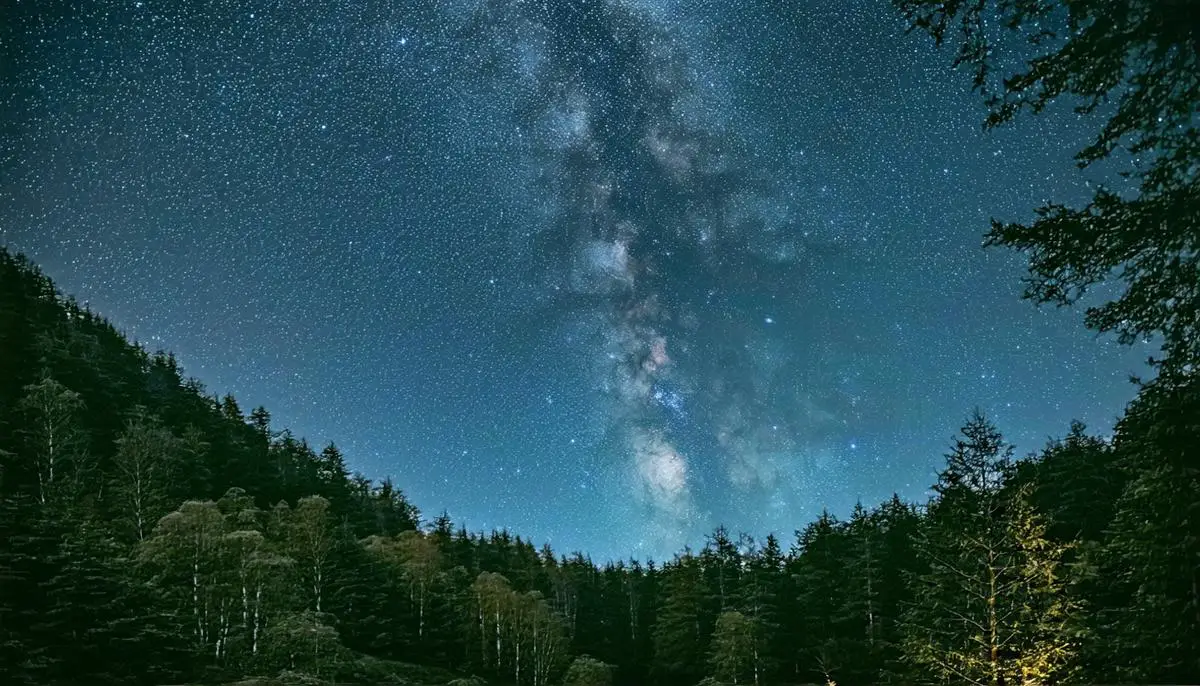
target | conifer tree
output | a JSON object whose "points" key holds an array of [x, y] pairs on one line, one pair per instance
{"points": [[818, 571], [731, 653], [1144, 575], [993, 608], [761, 594], [679, 645]]}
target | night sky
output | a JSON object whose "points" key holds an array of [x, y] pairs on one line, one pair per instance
{"points": [[606, 272]]}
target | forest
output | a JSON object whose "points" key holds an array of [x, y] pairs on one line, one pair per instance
{"points": [[154, 532]]}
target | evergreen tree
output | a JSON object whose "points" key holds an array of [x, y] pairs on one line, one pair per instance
{"points": [[899, 524], [858, 620], [993, 607], [763, 587], [1144, 577], [99, 621], [679, 645], [1077, 563], [818, 571], [732, 650]]}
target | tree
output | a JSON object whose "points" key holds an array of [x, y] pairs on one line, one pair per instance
{"points": [[731, 654], [679, 645], [1015, 572], [899, 524], [260, 419], [993, 607], [99, 619], [819, 573], [1076, 483], [722, 564], [183, 555], [196, 476], [142, 468], [305, 642], [1043, 625], [1143, 578], [761, 595], [54, 438], [858, 620], [586, 671], [492, 595], [253, 568], [332, 475], [310, 543], [1136, 62], [421, 562], [538, 633]]}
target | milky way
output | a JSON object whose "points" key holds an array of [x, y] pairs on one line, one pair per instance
{"points": [[606, 272], [659, 212]]}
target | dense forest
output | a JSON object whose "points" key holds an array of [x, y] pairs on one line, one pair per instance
{"points": [[153, 533]]}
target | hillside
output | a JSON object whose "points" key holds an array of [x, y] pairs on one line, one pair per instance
{"points": [[155, 533]]}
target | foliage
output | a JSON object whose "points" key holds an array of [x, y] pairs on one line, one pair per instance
{"points": [[587, 671], [1134, 63], [993, 607], [732, 649]]}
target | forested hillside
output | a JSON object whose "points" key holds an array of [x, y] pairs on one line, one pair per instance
{"points": [[153, 533]]}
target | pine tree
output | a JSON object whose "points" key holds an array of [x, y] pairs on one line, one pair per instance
{"points": [[731, 653], [1144, 576], [98, 620], [333, 476], [818, 571], [858, 621], [679, 645], [722, 564], [899, 524], [993, 608], [763, 587]]}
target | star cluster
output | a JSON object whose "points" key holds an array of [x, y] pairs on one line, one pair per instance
{"points": [[606, 272]]}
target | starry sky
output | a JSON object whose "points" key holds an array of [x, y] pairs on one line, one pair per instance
{"points": [[605, 272]]}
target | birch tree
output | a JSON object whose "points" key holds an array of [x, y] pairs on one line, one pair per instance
{"points": [[184, 549], [310, 538], [54, 438], [491, 597], [546, 639], [142, 468], [421, 562]]}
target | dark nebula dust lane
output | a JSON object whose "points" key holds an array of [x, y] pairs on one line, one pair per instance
{"points": [[606, 272]]}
